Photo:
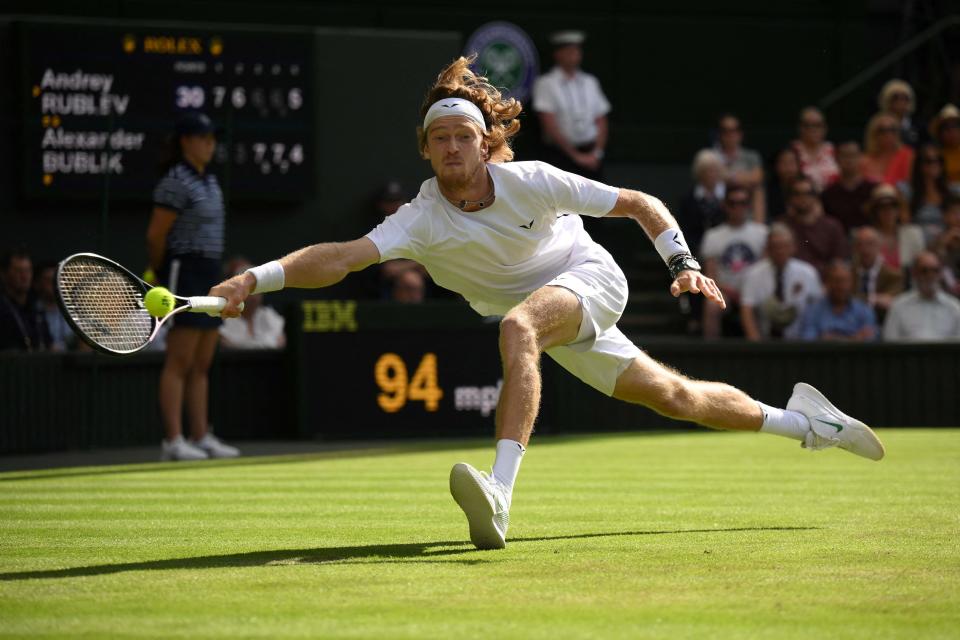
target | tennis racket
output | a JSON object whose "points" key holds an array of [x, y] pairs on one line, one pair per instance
{"points": [[103, 302]]}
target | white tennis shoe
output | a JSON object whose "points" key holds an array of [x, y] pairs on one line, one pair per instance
{"points": [[830, 427], [214, 448], [180, 449], [484, 502]]}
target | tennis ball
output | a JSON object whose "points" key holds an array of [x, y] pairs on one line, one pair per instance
{"points": [[158, 301]]}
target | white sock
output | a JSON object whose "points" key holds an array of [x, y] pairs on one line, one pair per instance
{"points": [[507, 463], [783, 422]]}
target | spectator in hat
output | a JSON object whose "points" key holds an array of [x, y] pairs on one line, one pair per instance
{"points": [[838, 315], [925, 312], [742, 166], [945, 129], [572, 109], [886, 158], [816, 154], [900, 242], [185, 241], [875, 282], [820, 239], [844, 200], [897, 99]]}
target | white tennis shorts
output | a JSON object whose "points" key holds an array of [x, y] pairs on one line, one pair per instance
{"points": [[600, 352]]}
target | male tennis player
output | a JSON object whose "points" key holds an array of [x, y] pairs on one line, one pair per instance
{"points": [[508, 237]]}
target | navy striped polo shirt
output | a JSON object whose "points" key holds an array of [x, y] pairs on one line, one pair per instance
{"points": [[198, 201]]}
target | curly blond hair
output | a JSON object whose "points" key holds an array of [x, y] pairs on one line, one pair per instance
{"points": [[457, 80]]}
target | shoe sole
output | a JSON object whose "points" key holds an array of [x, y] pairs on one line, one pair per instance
{"points": [[467, 491], [873, 448]]}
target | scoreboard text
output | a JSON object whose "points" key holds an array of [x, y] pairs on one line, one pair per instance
{"points": [[100, 101]]}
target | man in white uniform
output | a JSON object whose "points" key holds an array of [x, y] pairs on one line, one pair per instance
{"points": [[508, 237], [572, 110]]}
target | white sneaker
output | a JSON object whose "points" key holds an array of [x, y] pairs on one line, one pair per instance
{"points": [[831, 427], [180, 449], [214, 448], [485, 503]]}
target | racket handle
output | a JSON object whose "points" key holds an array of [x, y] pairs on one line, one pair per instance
{"points": [[211, 305]]}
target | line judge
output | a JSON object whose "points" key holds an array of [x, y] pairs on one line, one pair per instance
{"points": [[572, 110]]}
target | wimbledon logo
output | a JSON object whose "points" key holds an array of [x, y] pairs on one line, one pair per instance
{"points": [[506, 55]]}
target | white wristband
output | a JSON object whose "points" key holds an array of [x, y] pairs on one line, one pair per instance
{"points": [[670, 243], [270, 277]]}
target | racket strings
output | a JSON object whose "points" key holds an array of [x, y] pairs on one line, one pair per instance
{"points": [[105, 304]]}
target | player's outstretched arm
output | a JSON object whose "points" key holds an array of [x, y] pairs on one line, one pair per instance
{"points": [[660, 226], [649, 212], [313, 267], [322, 265]]}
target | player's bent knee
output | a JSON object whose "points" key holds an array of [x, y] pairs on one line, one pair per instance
{"points": [[517, 333]]}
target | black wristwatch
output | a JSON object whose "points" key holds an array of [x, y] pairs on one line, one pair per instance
{"points": [[682, 262]]}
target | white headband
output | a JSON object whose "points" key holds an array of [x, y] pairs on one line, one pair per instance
{"points": [[454, 107]]}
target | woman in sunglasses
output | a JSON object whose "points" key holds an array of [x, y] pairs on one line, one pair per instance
{"points": [[886, 158], [927, 190]]}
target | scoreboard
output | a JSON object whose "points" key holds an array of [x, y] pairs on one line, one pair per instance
{"points": [[99, 102]]}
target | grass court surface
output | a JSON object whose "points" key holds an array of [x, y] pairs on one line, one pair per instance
{"points": [[679, 535]]}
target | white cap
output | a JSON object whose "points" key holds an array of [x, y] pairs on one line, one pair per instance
{"points": [[564, 38], [454, 107]]}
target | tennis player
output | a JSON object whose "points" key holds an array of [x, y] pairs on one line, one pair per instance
{"points": [[509, 238]]}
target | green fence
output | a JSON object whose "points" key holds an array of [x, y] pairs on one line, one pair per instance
{"points": [[349, 363], [75, 401]]}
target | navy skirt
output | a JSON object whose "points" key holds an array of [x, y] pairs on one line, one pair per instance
{"points": [[191, 275]]}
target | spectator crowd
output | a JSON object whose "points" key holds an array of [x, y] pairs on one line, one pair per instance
{"points": [[840, 241]]}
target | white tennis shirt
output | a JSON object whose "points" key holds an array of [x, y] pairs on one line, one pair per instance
{"points": [[496, 257]]}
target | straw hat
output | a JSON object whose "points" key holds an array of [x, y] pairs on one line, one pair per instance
{"points": [[949, 112]]}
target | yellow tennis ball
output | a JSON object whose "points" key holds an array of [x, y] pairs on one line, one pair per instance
{"points": [[159, 302]]}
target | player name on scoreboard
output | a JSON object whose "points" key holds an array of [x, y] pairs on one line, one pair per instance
{"points": [[101, 100], [79, 93]]}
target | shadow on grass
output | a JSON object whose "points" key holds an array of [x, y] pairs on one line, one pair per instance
{"points": [[421, 552], [335, 453], [51, 468]]}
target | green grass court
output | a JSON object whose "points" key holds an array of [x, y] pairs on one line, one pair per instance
{"points": [[685, 535]]}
